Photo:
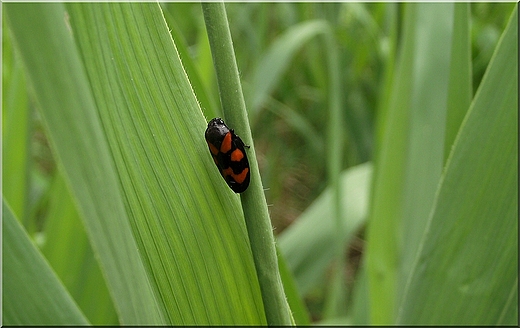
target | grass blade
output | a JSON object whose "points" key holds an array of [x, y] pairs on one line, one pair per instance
{"points": [[460, 90], [471, 237], [428, 109], [186, 222], [387, 189], [67, 248], [31, 291], [277, 60], [15, 131], [62, 91], [411, 154]]}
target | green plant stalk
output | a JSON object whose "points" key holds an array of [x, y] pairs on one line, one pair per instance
{"points": [[460, 89], [334, 147], [253, 200], [387, 190]]}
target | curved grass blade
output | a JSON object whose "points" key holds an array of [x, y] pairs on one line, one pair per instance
{"points": [[31, 292], [277, 59]]}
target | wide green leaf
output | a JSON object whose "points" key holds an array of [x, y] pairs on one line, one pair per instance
{"points": [[129, 136], [194, 243], [466, 266], [32, 294]]}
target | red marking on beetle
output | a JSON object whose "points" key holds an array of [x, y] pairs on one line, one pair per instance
{"points": [[240, 177], [226, 143], [228, 172], [237, 155], [213, 149]]}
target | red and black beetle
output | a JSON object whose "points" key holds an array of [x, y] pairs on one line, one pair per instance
{"points": [[227, 150]]}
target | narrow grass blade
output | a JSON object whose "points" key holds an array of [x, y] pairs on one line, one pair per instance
{"points": [[360, 309], [460, 90], [387, 188], [273, 64], [31, 292], [15, 130], [433, 30], [294, 298], [67, 249]]}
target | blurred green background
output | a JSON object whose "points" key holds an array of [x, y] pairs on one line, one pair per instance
{"points": [[427, 232]]}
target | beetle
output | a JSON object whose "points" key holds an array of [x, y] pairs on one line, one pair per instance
{"points": [[228, 152]]}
